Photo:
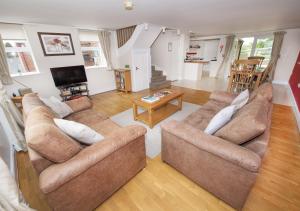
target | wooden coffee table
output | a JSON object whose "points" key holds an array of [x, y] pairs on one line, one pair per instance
{"points": [[159, 110]]}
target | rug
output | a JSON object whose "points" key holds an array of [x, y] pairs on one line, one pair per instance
{"points": [[153, 136]]}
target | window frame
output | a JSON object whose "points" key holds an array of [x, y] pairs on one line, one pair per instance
{"points": [[99, 49], [257, 37], [19, 50]]}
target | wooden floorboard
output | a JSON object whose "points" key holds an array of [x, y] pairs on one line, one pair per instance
{"points": [[160, 187]]}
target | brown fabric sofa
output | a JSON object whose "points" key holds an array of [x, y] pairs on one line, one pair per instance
{"points": [[77, 177], [227, 162]]}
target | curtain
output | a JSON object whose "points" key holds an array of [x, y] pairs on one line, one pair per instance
{"points": [[104, 38], [4, 71], [227, 54], [277, 43], [239, 48], [11, 120], [11, 199]]}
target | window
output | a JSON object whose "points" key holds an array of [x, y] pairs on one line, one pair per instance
{"points": [[257, 46], [19, 57], [92, 54]]}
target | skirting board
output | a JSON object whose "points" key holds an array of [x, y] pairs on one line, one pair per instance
{"points": [[294, 106]]}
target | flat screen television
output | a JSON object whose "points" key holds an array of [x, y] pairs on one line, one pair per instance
{"points": [[64, 76]]}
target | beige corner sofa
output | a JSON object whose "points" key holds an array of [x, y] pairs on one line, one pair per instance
{"points": [[227, 162], [77, 177]]}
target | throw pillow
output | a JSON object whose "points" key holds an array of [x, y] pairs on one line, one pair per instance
{"points": [[241, 99], [79, 131], [61, 108], [220, 119], [248, 123]]}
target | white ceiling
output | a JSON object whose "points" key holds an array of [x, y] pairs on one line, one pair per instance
{"points": [[207, 17]]}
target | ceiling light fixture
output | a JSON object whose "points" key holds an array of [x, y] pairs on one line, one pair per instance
{"points": [[128, 4]]}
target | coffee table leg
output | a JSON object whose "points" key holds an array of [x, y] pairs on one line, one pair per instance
{"points": [[150, 113], [179, 103], [134, 106]]}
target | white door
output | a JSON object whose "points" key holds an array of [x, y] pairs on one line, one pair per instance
{"points": [[141, 65]]}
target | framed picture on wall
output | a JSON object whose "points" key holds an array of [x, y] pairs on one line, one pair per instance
{"points": [[56, 44]]}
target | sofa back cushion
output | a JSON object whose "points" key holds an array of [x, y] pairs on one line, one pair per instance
{"points": [[248, 123], [45, 138], [29, 102], [265, 90]]}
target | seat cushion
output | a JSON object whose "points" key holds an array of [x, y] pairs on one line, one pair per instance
{"points": [[87, 117], [248, 123], [45, 138], [200, 118], [95, 120]]}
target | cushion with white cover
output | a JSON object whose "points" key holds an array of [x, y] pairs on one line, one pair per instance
{"points": [[78, 131], [60, 108], [241, 100], [220, 119]]}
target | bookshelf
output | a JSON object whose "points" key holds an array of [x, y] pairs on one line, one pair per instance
{"points": [[123, 80]]}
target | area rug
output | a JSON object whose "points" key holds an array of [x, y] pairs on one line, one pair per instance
{"points": [[153, 136]]}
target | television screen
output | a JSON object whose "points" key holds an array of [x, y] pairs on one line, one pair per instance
{"points": [[63, 76]]}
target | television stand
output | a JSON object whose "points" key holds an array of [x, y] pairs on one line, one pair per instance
{"points": [[73, 91]]}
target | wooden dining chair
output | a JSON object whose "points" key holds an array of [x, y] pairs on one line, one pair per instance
{"points": [[242, 75], [245, 64], [266, 73], [260, 58]]}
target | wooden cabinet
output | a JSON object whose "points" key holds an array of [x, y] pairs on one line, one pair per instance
{"points": [[123, 80]]}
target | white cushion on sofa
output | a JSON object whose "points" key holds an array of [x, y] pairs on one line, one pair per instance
{"points": [[220, 119], [61, 108], [241, 99], [78, 131]]}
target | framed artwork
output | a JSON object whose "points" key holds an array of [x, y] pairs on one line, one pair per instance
{"points": [[56, 44]]}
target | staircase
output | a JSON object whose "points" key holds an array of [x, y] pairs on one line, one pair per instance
{"points": [[158, 80]]}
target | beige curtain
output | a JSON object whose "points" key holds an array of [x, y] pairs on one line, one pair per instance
{"points": [[11, 199], [239, 48], [227, 54], [277, 43], [4, 71], [104, 38], [11, 121]]}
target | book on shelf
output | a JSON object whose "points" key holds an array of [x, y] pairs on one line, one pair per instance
{"points": [[150, 99]]}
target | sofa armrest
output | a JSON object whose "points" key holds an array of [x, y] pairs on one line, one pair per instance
{"points": [[80, 104], [219, 147], [222, 96], [58, 174]]}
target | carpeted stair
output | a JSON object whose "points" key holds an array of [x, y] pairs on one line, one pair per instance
{"points": [[158, 80]]}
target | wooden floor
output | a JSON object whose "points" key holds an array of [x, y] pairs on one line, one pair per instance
{"points": [[160, 187]]}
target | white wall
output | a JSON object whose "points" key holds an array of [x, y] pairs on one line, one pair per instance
{"points": [[288, 56], [168, 61], [99, 80]]}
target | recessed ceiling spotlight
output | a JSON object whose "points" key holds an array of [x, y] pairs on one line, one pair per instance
{"points": [[128, 4]]}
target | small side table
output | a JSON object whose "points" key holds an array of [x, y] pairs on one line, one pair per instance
{"points": [[18, 102]]}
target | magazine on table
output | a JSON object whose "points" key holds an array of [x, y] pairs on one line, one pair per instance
{"points": [[150, 99]]}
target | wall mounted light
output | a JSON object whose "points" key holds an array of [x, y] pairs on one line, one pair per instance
{"points": [[128, 4], [164, 29]]}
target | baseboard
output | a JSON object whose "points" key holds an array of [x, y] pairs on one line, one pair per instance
{"points": [[280, 82], [294, 106]]}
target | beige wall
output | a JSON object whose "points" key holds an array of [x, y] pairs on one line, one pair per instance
{"points": [[288, 56]]}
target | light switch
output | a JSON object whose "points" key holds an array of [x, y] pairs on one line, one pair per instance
{"points": [[299, 85]]}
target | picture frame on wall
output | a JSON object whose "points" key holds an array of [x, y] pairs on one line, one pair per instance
{"points": [[56, 44]]}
